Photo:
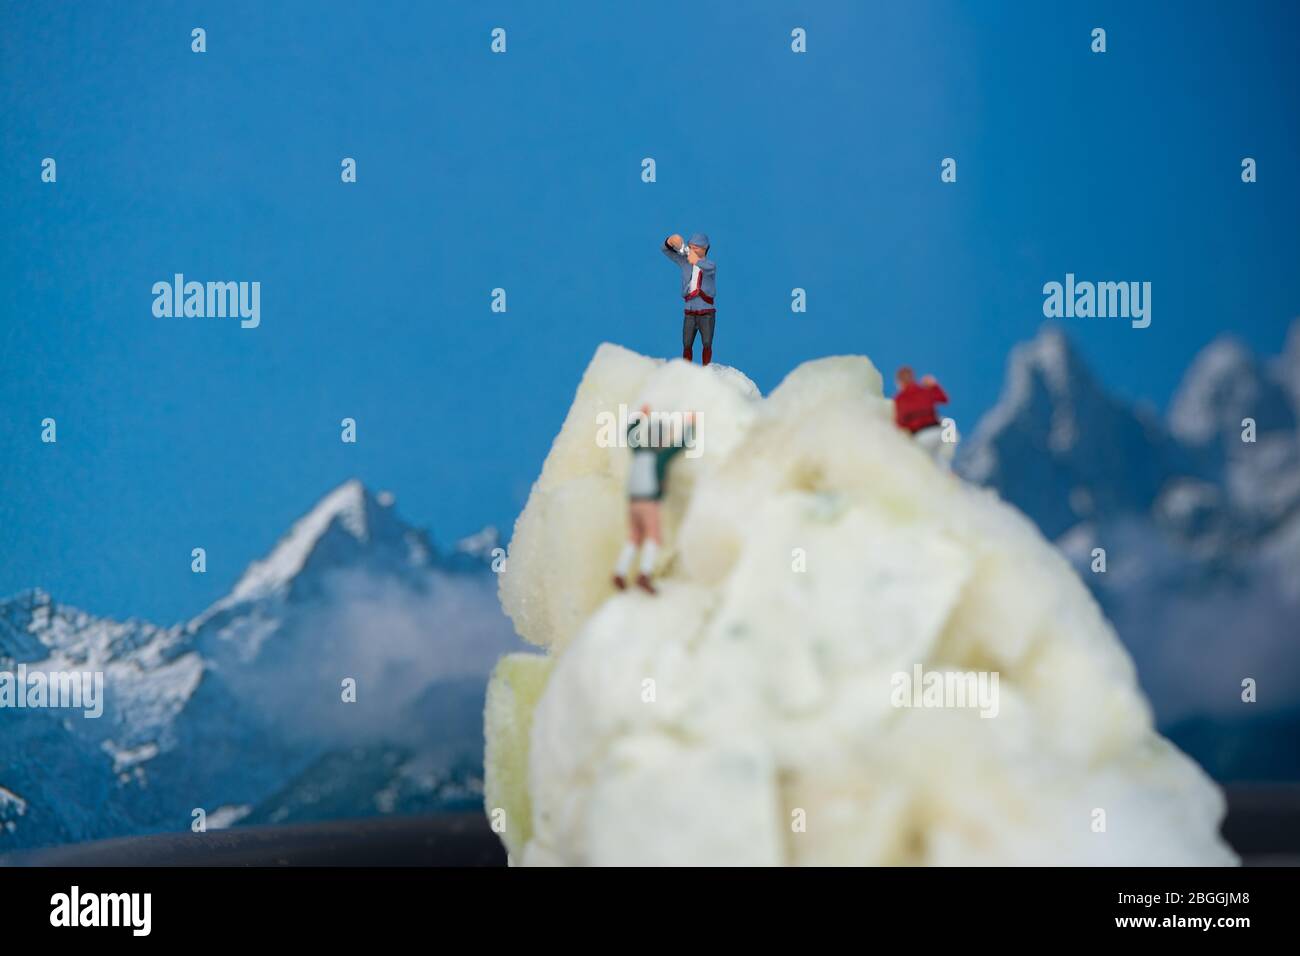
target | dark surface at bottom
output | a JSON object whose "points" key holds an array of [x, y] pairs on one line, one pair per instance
{"points": [[1263, 826], [453, 839]]}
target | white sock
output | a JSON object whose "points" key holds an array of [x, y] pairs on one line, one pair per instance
{"points": [[648, 552], [625, 559]]}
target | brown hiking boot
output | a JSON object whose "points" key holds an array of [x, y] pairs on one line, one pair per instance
{"points": [[619, 582], [644, 583]]}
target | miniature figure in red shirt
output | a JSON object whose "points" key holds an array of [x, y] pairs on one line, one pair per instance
{"points": [[914, 412]]}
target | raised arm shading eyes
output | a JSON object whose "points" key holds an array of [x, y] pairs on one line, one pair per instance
{"points": [[675, 251]]}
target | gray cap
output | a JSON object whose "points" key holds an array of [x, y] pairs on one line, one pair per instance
{"points": [[699, 239]]}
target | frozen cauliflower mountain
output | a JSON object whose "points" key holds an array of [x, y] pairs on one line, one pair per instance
{"points": [[751, 712]]}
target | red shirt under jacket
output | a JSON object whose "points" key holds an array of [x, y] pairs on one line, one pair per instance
{"points": [[914, 406]]}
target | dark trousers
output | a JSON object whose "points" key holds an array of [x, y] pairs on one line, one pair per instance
{"points": [[701, 323]]}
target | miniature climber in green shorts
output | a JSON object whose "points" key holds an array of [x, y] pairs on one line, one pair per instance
{"points": [[652, 453]]}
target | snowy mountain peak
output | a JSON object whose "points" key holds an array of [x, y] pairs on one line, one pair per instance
{"points": [[481, 543], [1059, 445], [1041, 396], [1051, 356], [1287, 366], [346, 522], [1224, 384], [1048, 359], [241, 702], [1291, 351]]}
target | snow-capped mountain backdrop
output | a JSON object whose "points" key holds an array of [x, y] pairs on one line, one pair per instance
{"points": [[1198, 515], [240, 712]]}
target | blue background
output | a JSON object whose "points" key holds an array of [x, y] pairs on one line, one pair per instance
{"points": [[523, 171]]}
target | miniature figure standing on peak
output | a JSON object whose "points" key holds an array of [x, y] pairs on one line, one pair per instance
{"points": [[914, 412], [654, 445], [698, 285]]}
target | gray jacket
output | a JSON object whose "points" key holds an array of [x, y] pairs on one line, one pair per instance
{"points": [[703, 298]]}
